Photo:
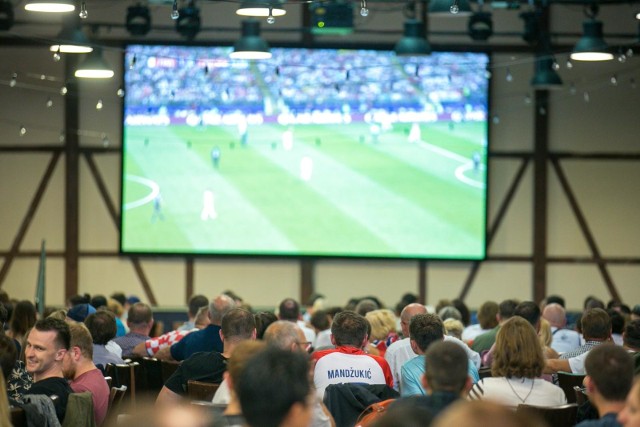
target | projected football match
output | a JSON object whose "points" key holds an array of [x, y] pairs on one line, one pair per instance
{"points": [[315, 152]]}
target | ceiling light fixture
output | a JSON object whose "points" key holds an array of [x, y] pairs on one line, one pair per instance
{"points": [[413, 42], [250, 45], [6, 15], [545, 77], [71, 39], [138, 21], [455, 8], [50, 6], [188, 22], [480, 26], [94, 67], [261, 9], [591, 46]]}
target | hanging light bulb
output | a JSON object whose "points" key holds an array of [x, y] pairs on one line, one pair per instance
{"points": [[270, 18], [572, 89], [586, 97], [614, 80], [63, 90], [23, 130], [527, 99], [174, 10], [105, 140], [56, 55], [83, 10], [14, 80], [632, 82], [49, 103], [509, 76], [364, 10], [555, 65], [496, 119], [99, 104], [120, 92], [622, 58], [61, 138], [569, 64]]}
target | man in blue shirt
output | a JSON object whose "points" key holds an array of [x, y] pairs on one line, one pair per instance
{"points": [[424, 330], [207, 339]]}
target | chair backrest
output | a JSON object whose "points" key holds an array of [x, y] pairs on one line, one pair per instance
{"points": [[581, 395], [555, 416], [18, 417], [126, 374], [567, 381], [199, 390], [115, 401], [152, 369], [109, 381], [484, 372], [168, 368]]}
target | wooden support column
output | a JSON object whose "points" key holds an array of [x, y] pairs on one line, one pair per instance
{"points": [[307, 282], [422, 281], [540, 169], [72, 179]]}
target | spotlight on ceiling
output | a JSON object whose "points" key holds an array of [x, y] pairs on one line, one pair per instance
{"points": [[531, 33], [71, 39], [454, 8], [545, 77], [413, 42], [138, 21], [94, 67], [188, 23], [269, 8], [251, 45], [480, 26], [51, 6], [591, 46], [6, 15]]}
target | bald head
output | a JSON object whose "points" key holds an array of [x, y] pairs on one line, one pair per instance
{"points": [[555, 315], [284, 335], [220, 306], [407, 313]]}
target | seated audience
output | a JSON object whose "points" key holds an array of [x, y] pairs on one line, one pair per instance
{"points": [[564, 340], [424, 330], [453, 328], [82, 373], [140, 322], [516, 368], [102, 326], [482, 414], [483, 342], [22, 319], [631, 342], [274, 389], [289, 310], [46, 346], [608, 381], [321, 322], [383, 330], [195, 303]]}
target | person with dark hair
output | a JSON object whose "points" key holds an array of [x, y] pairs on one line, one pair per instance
{"points": [[289, 310], [617, 325], [120, 297], [237, 325], [563, 339], [593, 302], [631, 342], [102, 326], [445, 379], [79, 299], [204, 340], [366, 305], [484, 341], [348, 363], [8, 355], [98, 301], [263, 320], [630, 414], [140, 322], [516, 370], [46, 346], [464, 311], [23, 317], [487, 320], [529, 311], [321, 323], [195, 302], [82, 373], [555, 299], [609, 378], [424, 330], [274, 389]]}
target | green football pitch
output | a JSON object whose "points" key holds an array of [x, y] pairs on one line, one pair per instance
{"points": [[306, 190]]}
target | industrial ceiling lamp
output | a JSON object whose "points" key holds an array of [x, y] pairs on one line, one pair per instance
{"points": [[251, 45], [188, 23], [138, 21], [267, 9], [545, 77], [591, 46], [71, 39], [94, 67], [413, 42], [480, 26], [455, 8], [6, 15], [50, 6]]}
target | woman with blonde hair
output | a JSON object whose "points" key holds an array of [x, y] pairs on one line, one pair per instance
{"points": [[516, 370], [546, 336], [383, 330]]}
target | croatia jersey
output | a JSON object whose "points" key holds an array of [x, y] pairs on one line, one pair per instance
{"points": [[349, 365]]}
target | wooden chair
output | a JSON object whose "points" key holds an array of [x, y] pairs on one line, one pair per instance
{"points": [[555, 416], [109, 380], [168, 368], [484, 372], [115, 401], [567, 381], [581, 395], [199, 390], [152, 370], [126, 375]]}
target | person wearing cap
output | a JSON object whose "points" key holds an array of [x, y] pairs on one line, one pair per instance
{"points": [[80, 312]]}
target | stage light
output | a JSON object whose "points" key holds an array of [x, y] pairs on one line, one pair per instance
{"points": [[251, 45], [413, 42], [188, 23], [138, 21]]}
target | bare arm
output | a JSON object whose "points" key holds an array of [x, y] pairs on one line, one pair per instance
{"points": [[140, 350], [164, 354], [557, 365], [166, 396]]}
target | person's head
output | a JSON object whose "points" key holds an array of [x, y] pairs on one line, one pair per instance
{"points": [[274, 389], [617, 321], [635, 312], [102, 326], [202, 318], [23, 317], [593, 302], [349, 329], [555, 314], [545, 334], [481, 413], [488, 315], [529, 311], [464, 311], [320, 320], [79, 299], [289, 310], [631, 335], [555, 299], [446, 368], [8, 355], [449, 312], [453, 328], [238, 360], [596, 324], [120, 297], [407, 313], [366, 305], [286, 336], [238, 325], [140, 318], [263, 320], [630, 414], [46, 346], [518, 352], [220, 306], [80, 350], [382, 322], [609, 371], [195, 302], [506, 309], [98, 301], [79, 312], [4, 317], [424, 330]]}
